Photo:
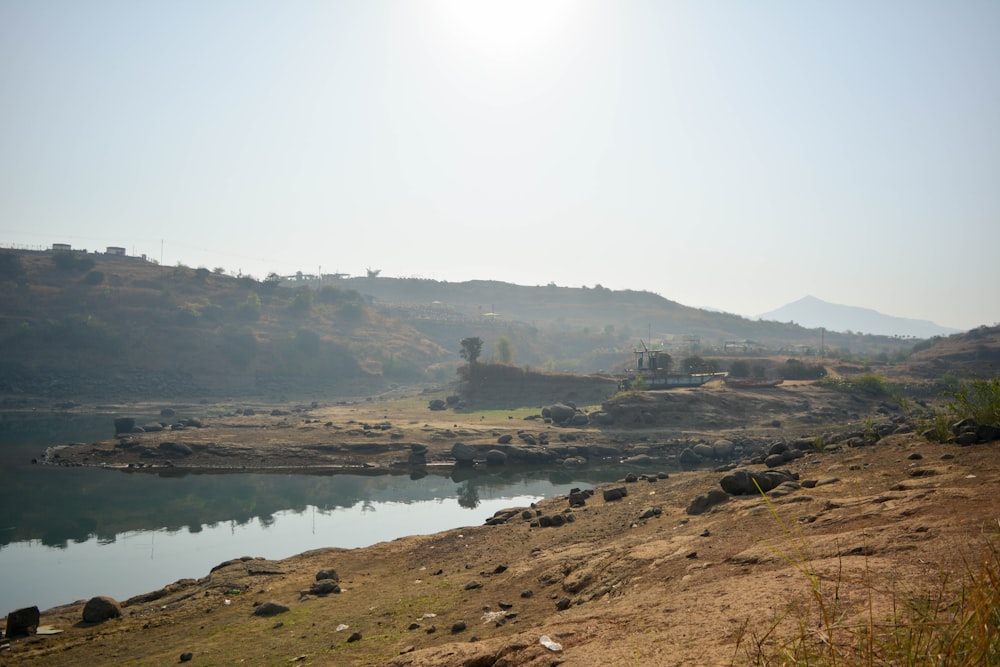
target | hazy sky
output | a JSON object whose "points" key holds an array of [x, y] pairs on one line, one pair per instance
{"points": [[736, 155]]}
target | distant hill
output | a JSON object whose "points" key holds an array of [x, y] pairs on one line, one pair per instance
{"points": [[814, 313]]}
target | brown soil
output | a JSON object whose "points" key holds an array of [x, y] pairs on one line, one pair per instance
{"points": [[670, 589]]}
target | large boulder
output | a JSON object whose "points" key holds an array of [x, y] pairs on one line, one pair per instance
{"points": [[270, 609], [100, 609], [742, 482], [124, 425], [463, 454], [22, 622], [560, 412]]}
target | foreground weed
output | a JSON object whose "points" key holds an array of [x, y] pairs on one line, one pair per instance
{"points": [[955, 625]]}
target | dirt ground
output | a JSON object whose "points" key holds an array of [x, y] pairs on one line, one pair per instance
{"points": [[635, 581]]}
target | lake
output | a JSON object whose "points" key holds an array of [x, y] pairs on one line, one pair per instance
{"points": [[73, 533]]}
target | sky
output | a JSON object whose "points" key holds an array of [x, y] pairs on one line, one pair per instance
{"points": [[731, 155]]}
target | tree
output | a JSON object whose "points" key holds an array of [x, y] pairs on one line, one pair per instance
{"points": [[472, 347], [372, 273], [504, 350]]}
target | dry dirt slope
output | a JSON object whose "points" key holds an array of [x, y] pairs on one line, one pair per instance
{"points": [[672, 589]]}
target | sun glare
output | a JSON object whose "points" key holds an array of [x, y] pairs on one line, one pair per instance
{"points": [[504, 30]]}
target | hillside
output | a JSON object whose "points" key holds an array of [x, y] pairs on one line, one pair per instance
{"points": [[572, 324], [973, 353], [122, 326], [86, 324]]}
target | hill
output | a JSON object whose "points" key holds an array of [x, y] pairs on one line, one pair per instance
{"points": [[85, 324], [119, 326], [814, 313]]}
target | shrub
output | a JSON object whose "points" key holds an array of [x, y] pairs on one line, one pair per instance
{"points": [[94, 278], [978, 399], [72, 261], [797, 370]]}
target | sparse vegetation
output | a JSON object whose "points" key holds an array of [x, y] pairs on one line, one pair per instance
{"points": [[956, 624]]}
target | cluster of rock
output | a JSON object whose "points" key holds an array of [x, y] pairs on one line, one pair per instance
{"points": [[24, 622], [451, 401], [535, 450], [967, 432], [125, 425], [567, 414]]}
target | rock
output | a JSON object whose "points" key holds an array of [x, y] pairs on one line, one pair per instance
{"points": [[437, 404], [176, 448], [124, 425], [22, 622], [579, 419], [631, 478], [270, 609], [187, 656], [602, 418], [704, 451], [101, 608], [650, 512], [528, 439], [706, 501], [472, 585], [741, 482], [325, 587], [723, 449], [505, 439], [463, 454], [495, 457], [688, 457], [615, 494], [577, 498], [560, 412], [774, 460], [152, 427], [355, 637], [563, 604], [639, 459], [458, 626]]}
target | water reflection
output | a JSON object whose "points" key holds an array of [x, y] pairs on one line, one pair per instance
{"points": [[60, 505]]}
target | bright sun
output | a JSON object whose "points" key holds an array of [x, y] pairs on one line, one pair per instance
{"points": [[504, 29]]}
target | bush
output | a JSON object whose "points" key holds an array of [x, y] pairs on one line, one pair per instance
{"points": [[978, 399], [94, 278], [72, 261], [796, 370]]}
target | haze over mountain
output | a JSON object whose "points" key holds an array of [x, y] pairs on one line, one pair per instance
{"points": [[813, 313]]}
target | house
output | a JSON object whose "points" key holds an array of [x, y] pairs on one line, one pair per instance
{"points": [[61, 247], [115, 250]]}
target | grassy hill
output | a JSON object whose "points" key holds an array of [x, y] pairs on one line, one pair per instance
{"points": [[111, 325], [174, 330]]}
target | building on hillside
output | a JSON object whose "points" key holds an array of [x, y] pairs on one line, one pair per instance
{"points": [[115, 250], [61, 247]]}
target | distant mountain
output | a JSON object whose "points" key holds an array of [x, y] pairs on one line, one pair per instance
{"points": [[814, 313]]}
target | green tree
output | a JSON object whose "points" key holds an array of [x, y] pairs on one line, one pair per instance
{"points": [[697, 364], [739, 369], [504, 350], [472, 347]]}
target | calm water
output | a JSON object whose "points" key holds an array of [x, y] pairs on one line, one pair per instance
{"points": [[72, 533]]}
